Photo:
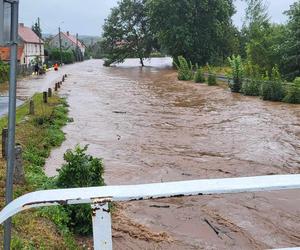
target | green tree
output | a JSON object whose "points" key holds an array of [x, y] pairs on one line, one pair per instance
{"points": [[36, 28], [257, 30], [127, 32], [291, 57], [201, 31], [263, 42]]}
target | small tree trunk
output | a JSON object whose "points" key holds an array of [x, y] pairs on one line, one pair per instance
{"points": [[142, 61]]}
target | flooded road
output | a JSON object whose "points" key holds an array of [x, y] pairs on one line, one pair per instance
{"points": [[148, 127]]}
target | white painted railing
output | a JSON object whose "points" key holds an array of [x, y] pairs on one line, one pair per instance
{"points": [[99, 197]]}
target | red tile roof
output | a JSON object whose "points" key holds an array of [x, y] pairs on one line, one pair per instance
{"points": [[73, 39], [5, 53], [27, 35]]}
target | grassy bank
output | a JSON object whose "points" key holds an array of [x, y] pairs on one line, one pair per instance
{"points": [[38, 134]]}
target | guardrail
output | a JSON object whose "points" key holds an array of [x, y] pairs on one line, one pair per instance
{"points": [[100, 197]]}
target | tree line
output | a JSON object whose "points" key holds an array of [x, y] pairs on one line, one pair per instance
{"points": [[202, 31]]}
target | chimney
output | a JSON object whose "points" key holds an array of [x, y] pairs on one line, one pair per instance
{"points": [[22, 25], [68, 33]]}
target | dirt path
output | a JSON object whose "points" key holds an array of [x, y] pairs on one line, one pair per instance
{"points": [[149, 127]]}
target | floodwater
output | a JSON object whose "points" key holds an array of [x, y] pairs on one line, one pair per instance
{"points": [[149, 127]]}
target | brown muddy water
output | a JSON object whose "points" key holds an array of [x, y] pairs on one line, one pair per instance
{"points": [[148, 127]]}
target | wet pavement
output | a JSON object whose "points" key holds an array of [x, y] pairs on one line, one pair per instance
{"points": [[4, 105], [28, 86], [148, 127]]}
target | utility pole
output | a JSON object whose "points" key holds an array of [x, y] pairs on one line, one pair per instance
{"points": [[60, 46], [11, 116], [77, 49], [40, 40]]}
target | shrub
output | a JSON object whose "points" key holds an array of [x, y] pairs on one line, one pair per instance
{"points": [[212, 77], [199, 76], [107, 63], [4, 72], [237, 73], [80, 170], [251, 87], [185, 69], [67, 56], [272, 90], [293, 93]]}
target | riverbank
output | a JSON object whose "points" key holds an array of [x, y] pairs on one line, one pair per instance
{"points": [[37, 134]]}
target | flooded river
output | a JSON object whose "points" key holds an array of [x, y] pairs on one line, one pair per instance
{"points": [[148, 127]]}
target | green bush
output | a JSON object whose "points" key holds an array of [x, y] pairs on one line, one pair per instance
{"points": [[199, 76], [80, 170], [272, 90], [107, 63], [185, 69], [251, 87], [4, 72], [67, 56], [237, 73], [212, 77], [293, 92]]}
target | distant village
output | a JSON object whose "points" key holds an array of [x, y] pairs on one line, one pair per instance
{"points": [[61, 48]]}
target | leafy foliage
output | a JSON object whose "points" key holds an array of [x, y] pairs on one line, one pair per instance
{"points": [[237, 72], [199, 75], [201, 31], [185, 69], [293, 92], [291, 57], [67, 56], [272, 90], [127, 32], [36, 225], [212, 77], [251, 87], [4, 72], [80, 170], [36, 28]]}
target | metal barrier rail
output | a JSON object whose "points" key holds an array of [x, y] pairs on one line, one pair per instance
{"points": [[99, 197]]}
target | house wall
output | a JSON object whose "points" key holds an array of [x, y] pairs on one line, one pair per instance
{"points": [[31, 51], [65, 43]]}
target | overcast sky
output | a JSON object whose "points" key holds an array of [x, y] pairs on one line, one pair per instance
{"points": [[86, 17]]}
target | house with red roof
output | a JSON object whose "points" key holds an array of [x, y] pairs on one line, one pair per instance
{"points": [[33, 46], [30, 47], [68, 41], [5, 54]]}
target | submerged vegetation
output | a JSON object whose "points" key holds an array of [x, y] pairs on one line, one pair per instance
{"points": [[197, 33], [185, 69]]}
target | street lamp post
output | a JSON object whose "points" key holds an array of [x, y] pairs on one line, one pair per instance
{"points": [[14, 4]]}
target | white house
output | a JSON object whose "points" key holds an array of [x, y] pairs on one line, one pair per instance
{"points": [[33, 46], [67, 42]]}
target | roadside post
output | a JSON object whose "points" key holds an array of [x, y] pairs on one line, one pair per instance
{"points": [[9, 11]]}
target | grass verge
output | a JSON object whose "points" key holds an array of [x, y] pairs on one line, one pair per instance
{"points": [[38, 134]]}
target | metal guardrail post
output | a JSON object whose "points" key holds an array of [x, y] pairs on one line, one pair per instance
{"points": [[102, 231]]}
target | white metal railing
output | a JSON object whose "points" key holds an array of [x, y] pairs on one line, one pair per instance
{"points": [[99, 197]]}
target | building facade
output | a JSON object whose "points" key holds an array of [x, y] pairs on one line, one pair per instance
{"points": [[33, 46], [67, 42]]}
